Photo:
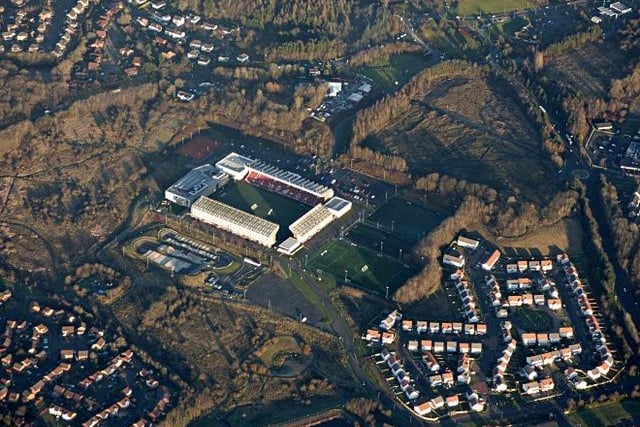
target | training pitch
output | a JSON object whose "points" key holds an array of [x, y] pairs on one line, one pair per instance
{"points": [[363, 267]]}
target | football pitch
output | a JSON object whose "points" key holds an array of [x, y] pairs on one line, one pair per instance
{"points": [[363, 267], [265, 204], [405, 220]]}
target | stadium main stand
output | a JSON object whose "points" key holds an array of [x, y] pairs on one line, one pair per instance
{"points": [[267, 176], [268, 183]]}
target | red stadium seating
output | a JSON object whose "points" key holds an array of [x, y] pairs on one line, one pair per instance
{"points": [[268, 183]]}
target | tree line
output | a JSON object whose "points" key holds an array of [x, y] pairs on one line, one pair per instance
{"points": [[630, 36], [429, 279], [625, 233], [603, 280], [574, 41], [382, 53]]}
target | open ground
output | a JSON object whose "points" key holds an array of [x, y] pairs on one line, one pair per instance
{"points": [[268, 291], [590, 69], [490, 141], [565, 236]]}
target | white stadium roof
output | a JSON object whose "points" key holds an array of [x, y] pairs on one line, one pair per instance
{"points": [[234, 220], [311, 223], [338, 206], [235, 165]]}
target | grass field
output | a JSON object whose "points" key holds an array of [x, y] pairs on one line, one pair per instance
{"points": [[608, 415], [467, 7], [532, 320], [364, 268], [270, 354], [399, 68], [396, 226], [378, 240], [410, 222], [590, 69], [271, 206]]}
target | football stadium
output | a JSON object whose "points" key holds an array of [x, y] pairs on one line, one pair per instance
{"points": [[261, 202]]}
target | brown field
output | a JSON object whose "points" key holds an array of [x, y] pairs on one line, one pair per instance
{"points": [[198, 148], [433, 142], [566, 236], [214, 341], [489, 141], [590, 69], [493, 107]]}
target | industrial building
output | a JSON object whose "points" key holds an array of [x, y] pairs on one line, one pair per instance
{"points": [[311, 223], [201, 181], [234, 220]]}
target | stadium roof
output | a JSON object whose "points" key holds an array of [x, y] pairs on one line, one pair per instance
{"points": [[289, 246], [311, 222], [338, 206], [289, 177], [235, 216], [235, 162]]}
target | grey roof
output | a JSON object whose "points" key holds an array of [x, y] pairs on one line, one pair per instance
{"points": [[195, 182], [337, 203]]}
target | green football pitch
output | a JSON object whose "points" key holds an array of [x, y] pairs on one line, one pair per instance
{"points": [[263, 203], [363, 267]]}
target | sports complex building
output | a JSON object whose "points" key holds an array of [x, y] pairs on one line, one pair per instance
{"points": [[234, 220], [201, 181], [194, 189]]}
